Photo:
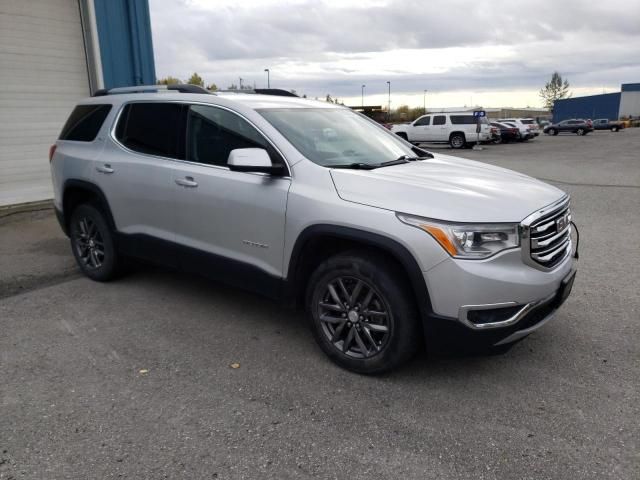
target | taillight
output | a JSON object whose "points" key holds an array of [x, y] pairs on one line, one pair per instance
{"points": [[52, 150]]}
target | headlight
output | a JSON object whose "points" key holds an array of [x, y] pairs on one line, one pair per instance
{"points": [[471, 240]]}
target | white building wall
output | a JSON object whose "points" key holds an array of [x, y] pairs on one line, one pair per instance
{"points": [[43, 73]]}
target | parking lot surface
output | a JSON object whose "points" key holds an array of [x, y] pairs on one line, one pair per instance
{"points": [[136, 378]]}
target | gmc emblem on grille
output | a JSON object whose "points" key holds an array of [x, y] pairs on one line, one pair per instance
{"points": [[562, 222]]}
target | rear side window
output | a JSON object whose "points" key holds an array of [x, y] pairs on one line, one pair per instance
{"points": [[85, 122], [526, 122], [439, 120], [151, 128], [422, 121], [462, 119]]}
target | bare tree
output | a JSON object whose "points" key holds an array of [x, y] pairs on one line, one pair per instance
{"points": [[553, 90]]}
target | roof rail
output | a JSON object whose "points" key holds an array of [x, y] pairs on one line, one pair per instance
{"points": [[180, 87], [262, 91]]}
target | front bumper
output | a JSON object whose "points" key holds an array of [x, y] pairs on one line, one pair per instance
{"points": [[529, 297]]}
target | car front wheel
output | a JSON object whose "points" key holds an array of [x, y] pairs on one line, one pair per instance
{"points": [[362, 314], [92, 244]]}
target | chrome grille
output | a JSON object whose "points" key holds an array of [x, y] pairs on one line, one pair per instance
{"points": [[547, 238]]}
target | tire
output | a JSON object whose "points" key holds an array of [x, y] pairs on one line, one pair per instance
{"points": [[457, 140], [403, 136], [552, 131], [92, 244], [580, 132], [614, 129], [374, 284]]}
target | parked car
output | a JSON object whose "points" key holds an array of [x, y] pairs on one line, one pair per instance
{"points": [[529, 124], [575, 125], [524, 134], [506, 133], [458, 129], [383, 244], [606, 124]]}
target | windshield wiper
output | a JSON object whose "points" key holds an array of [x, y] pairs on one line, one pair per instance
{"points": [[357, 166]]}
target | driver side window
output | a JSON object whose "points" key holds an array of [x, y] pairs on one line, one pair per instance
{"points": [[422, 122], [213, 132]]}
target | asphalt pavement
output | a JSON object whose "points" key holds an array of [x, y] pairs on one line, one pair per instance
{"points": [[163, 375]]}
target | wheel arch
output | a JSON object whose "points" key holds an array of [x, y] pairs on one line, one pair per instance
{"points": [[317, 242], [76, 192]]}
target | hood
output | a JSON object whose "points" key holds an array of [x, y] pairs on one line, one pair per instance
{"points": [[447, 188]]}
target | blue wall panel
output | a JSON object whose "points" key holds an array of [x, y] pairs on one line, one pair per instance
{"points": [[606, 105], [126, 49]]}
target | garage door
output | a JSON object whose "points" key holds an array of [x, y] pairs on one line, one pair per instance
{"points": [[43, 72]]}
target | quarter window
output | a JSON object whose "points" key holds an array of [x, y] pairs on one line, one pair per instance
{"points": [[439, 120], [463, 120], [85, 122], [213, 132], [151, 128]]}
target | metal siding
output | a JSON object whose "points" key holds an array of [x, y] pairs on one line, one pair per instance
{"points": [[595, 106], [126, 49], [631, 87], [43, 72], [630, 104]]}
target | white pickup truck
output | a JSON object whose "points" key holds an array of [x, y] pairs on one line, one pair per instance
{"points": [[458, 129]]}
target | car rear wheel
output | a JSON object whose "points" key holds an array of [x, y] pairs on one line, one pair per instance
{"points": [[580, 131], [362, 314], [614, 129], [457, 140], [92, 244]]}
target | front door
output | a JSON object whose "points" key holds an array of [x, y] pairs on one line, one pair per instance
{"points": [[231, 223]]}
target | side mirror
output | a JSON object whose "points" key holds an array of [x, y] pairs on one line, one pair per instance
{"points": [[252, 160]]}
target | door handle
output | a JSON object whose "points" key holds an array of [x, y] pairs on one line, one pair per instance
{"points": [[106, 168], [188, 182]]}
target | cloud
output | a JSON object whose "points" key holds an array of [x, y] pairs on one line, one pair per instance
{"points": [[321, 47]]}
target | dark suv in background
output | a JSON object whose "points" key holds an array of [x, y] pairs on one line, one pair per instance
{"points": [[578, 126]]}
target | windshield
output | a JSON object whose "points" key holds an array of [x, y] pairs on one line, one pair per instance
{"points": [[336, 137]]}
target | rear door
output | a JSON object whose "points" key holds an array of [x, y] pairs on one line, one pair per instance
{"points": [[236, 219], [438, 131], [134, 172]]}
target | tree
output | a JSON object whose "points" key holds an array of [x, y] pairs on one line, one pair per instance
{"points": [[169, 80], [554, 90], [213, 87], [196, 79]]}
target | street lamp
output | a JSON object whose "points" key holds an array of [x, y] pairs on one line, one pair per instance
{"points": [[268, 81], [424, 103], [363, 94], [389, 104], [240, 82]]}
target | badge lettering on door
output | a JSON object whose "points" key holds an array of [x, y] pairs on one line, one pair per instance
{"points": [[255, 244]]}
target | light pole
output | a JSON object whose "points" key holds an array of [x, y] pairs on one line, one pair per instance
{"points": [[268, 81], [363, 94], [240, 82], [389, 104], [424, 103]]}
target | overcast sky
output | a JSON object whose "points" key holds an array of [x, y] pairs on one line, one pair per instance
{"points": [[491, 53]]}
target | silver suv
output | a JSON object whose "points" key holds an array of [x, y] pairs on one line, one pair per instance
{"points": [[386, 246]]}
